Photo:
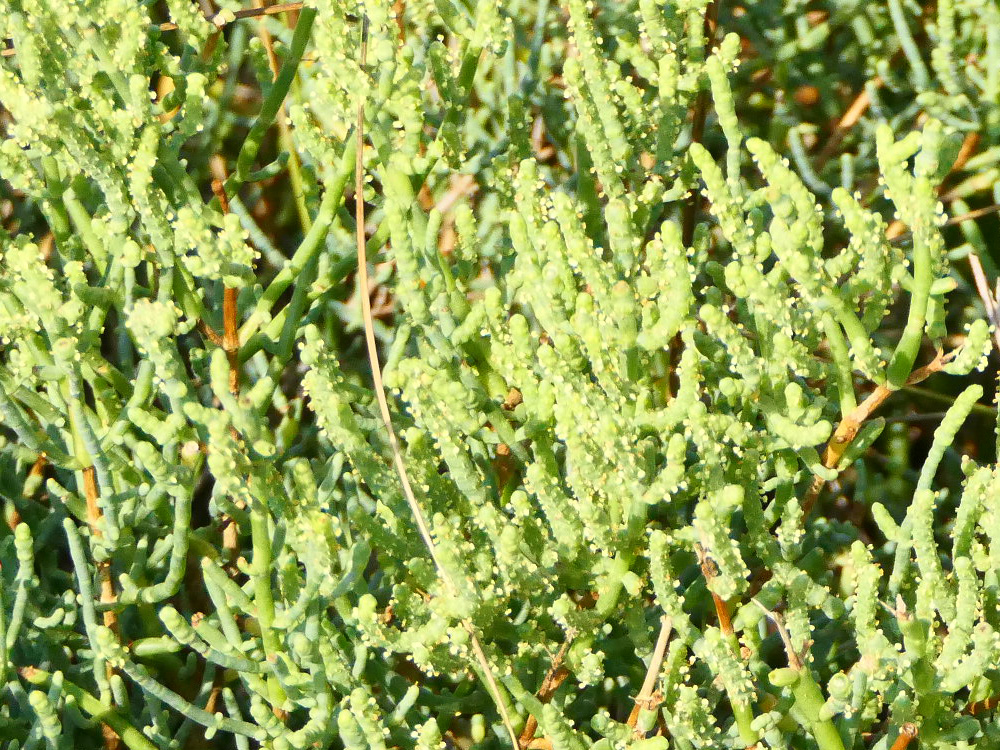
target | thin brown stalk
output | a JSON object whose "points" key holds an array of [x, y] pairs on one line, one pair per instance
{"points": [[989, 300], [223, 18], [230, 343], [907, 733], [110, 617], [555, 677], [272, 58], [230, 327], [210, 333], [648, 696], [794, 659], [383, 404], [230, 337], [849, 426]]}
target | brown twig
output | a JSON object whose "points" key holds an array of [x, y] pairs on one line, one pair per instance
{"points": [[849, 426], [648, 696], [794, 659], [969, 146], [989, 298], [210, 333], [230, 343], [223, 18], [710, 571], [110, 617], [230, 329], [907, 733], [272, 58], [398, 10], [555, 677]]}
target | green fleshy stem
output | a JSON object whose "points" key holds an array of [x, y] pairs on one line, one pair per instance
{"points": [[269, 109], [130, 735], [809, 703], [909, 343], [310, 247]]}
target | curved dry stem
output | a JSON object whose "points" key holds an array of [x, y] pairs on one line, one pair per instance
{"points": [[383, 404]]}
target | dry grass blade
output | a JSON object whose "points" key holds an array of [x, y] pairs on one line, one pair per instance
{"points": [[646, 692], [989, 300], [383, 404]]}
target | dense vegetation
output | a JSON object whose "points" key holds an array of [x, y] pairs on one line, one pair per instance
{"points": [[594, 374]]}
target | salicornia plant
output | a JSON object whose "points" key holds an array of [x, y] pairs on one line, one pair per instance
{"points": [[614, 454]]}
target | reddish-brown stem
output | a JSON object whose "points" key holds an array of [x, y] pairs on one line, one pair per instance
{"points": [[230, 333], [230, 337], [110, 617], [984, 705], [849, 426], [711, 572], [230, 343], [553, 679], [398, 9], [907, 733]]}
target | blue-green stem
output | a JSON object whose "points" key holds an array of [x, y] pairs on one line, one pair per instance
{"points": [[260, 572], [272, 104], [841, 364], [82, 571], [908, 45], [311, 245], [178, 559], [199, 715], [91, 706]]}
